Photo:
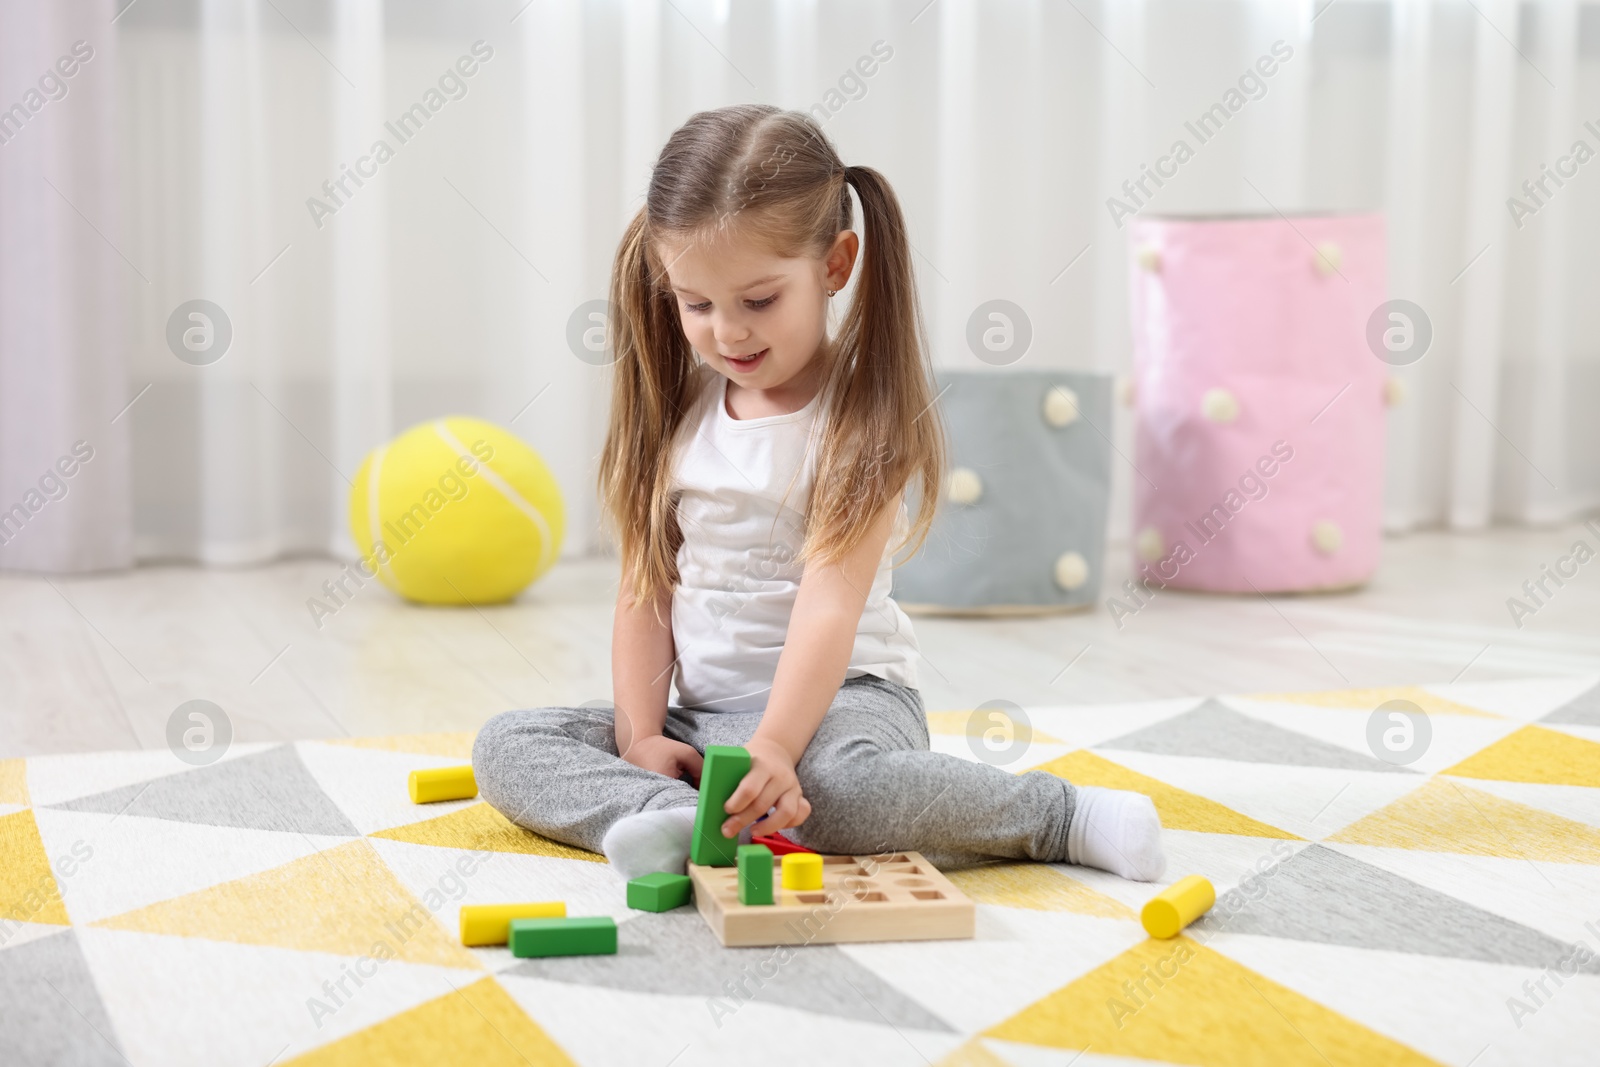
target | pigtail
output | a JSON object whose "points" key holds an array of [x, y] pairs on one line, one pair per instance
{"points": [[653, 368], [886, 432]]}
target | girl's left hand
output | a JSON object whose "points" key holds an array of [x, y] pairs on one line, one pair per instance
{"points": [[771, 785]]}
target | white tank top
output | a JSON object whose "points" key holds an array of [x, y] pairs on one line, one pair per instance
{"points": [[737, 575]]}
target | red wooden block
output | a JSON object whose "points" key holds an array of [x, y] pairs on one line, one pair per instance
{"points": [[780, 845]]}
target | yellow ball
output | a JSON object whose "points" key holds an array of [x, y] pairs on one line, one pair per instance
{"points": [[456, 511]]}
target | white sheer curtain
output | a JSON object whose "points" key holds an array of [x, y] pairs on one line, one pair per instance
{"points": [[65, 500], [180, 163]]}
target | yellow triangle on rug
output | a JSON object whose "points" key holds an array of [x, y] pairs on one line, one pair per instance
{"points": [[28, 890], [1180, 1002], [1535, 754], [1446, 817], [1036, 887], [478, 1024], [480, 828], [1178, 808], [1367, 700], [14, 781], [342, 900]]}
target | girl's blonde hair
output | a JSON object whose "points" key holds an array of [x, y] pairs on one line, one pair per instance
{"points": [[768, 175]]}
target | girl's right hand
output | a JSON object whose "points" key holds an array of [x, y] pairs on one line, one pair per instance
{"points": [[665, 756]]}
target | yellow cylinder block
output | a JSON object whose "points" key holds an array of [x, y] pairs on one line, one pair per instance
{"points": [[1178, 905], [490, 924], [802, 870], [442, 783]]}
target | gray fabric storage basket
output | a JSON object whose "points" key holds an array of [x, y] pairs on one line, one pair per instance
{"points": [[1044, 491]]}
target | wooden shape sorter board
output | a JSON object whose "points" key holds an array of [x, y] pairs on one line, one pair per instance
{"points": [[893, 897]]}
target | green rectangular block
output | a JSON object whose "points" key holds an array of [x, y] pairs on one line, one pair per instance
{"points": [[755, 874], [660, 891], [725, 766], [589, 935]]}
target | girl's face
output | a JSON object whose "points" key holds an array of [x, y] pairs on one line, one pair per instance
{"points": [[756, 318]]}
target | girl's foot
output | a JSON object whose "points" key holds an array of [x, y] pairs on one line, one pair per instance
{"points": [[650, 841], [1115, 830]]}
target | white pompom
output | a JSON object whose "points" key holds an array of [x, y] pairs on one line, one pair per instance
{"points": [[1327, 536], [1219, 405], [1072, 570], [1060, 406], [965, 486], [1150, 544], [1328, 258]]}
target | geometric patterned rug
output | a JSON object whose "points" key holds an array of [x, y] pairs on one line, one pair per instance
{"points": [[287, 904]]}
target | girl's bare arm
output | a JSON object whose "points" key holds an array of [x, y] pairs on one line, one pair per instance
{"points": [[816, 653], [642, 655]]}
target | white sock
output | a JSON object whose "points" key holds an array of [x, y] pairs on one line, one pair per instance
{"points": [[650, 841], [1118, 831]]}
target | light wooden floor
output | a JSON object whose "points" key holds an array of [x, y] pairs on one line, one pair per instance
{"points": [[101, 663]]}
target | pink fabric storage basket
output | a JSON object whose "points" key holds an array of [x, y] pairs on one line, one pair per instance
{"points": [[1259, 407]]}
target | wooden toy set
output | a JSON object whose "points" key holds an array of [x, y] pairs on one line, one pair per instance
{"points": [[772, 892], [818, 899], [894, 897]]}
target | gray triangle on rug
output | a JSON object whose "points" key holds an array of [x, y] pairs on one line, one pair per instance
{"points": [[1581, 710], [53, 1010], [675, 952], [1325, 896], [1216, 731], [269, 790]]}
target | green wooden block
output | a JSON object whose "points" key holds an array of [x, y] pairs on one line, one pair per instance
{"points": [[724, 766], [589, 935], [660, 891], [755, 874]]}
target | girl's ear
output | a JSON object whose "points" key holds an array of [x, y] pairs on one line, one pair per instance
{"points": [[841, 259]]}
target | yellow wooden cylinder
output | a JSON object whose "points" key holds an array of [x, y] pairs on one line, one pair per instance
{"points": [[490, 924], [1178, 905], [802, 870], [442, 783]]}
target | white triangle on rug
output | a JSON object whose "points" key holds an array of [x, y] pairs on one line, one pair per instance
{"points": [[1310, 802], [369, 784], [220, 1004], [1017, 957], [133, 861], [1572, 729], [579, 1018], [1575, 802], [1016, 1054], [55, 779], [1085, 725], [1224, 860], [14, 933], [1074, 726], [684, 1030], [1522, 699], [435, 875], [1453, 737], [1449, 1009]]}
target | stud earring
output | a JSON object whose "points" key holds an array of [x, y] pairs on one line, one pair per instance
{"points": [[832, 291]]}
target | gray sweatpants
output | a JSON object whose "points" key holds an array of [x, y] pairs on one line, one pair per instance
{"points": [[872, 782]]}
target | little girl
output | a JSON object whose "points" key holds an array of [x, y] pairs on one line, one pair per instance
{"points": [[755, 468]]}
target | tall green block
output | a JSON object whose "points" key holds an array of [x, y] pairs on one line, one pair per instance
{"points": [[660, 891], [588, 935], [725, 766], [755, 874]]}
